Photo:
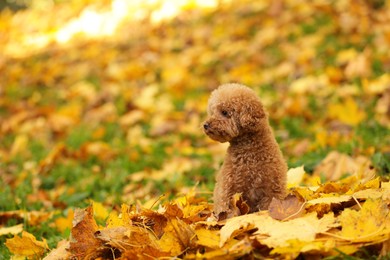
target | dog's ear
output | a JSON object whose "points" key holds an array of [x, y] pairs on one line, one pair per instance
{"points": [[251, 116]]}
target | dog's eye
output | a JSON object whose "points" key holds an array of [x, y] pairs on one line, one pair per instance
{"points": [[225, 113]]}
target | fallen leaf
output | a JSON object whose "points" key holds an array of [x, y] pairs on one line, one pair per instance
{"points": [[177, 237], [27, 246], [208, 238], [63, 224], [135, 241], [367, 224], [240, 207], [240, 224], [33, 218], [83, 242], [330, 200], [347, 112], [289, 208], [295, 176], [19, 145], [278, 234], [61, 251], [11, 230], [99, 211]]}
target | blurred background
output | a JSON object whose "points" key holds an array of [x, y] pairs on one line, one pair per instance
{"points": [[103, 100]]}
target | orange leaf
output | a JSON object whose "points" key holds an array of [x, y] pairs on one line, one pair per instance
{"points": [[83, 241]]}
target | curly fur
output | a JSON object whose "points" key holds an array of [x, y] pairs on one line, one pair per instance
{"points": [[254, 165]]}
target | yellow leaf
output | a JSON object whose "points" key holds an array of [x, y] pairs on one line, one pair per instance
{"points": [[295, 176], [193, 213], [208, 238], [99, 211], [125, 218], [240, 223], [83, 89], [277, 233], [378, 85], [11, 230], [369, 194], [385, 185], [346, 56], [147, 98], [330, 200], [27, 246], [304, 193], [65, 223], [366, 224], [71, 111], [19, 145], [113, 220], [371, 184], [177, 237], [347, 112], [295, 247]]}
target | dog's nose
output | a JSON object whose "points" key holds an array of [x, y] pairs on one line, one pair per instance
{"points": [[206, 126]]}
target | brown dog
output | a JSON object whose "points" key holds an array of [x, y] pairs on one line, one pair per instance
{"points": [[254, 165]]}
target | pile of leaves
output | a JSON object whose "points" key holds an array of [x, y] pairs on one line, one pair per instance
{"points": [[333, 218], [110, 115]]}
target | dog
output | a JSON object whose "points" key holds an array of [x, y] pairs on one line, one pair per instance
{"points": [[253, 166]]}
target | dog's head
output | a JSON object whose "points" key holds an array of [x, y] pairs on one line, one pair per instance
{"points": [[233, 110]]}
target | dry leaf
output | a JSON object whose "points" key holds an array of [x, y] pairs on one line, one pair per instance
{"points": [[27, 246], [304, 229], [240, 224], [295, 176], [208, 238], [99, 211], [136, 241], [177, 237], [61, 251], [83, 242], [11, 230], [348, 112], [330, 200], [239, 206], [289, 208], [370, 223], [63, 224]]}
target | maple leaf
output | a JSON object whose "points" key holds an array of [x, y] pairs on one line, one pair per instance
{"points": [[27, 246], [304, 229], [347, 112], [135, 241], [370, 223], [83, 241], [239, 224], [177, 237]]}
